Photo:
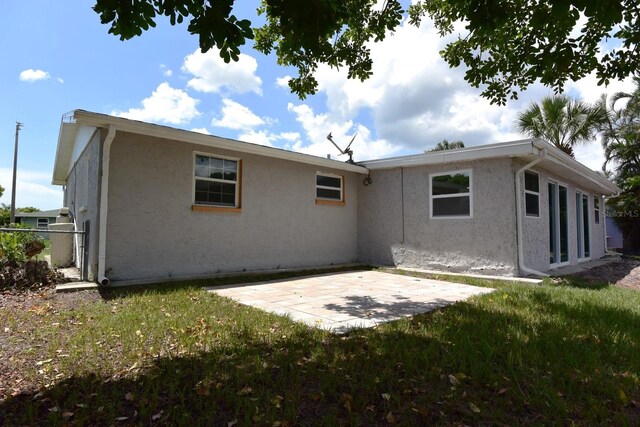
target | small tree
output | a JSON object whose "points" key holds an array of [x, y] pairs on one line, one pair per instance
{"points": [[446, 145]]}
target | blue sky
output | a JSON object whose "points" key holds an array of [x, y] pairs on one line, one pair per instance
{"points": [[58, 57]]}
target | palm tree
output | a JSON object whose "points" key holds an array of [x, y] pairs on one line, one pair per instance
{"points": [[621, 143], [562, 121], [446, 145]]}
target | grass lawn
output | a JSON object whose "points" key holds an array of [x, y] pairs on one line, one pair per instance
{"points": [[555, 353]]}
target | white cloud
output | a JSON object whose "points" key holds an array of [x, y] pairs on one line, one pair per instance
{"points": [[201, 130], [31, 75], [212, 74], [318, 126], [269, 139], [32, 189], [237, 116], [166, 105], [166, 71]]}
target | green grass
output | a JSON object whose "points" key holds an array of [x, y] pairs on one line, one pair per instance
{"points": [[555, 353]]}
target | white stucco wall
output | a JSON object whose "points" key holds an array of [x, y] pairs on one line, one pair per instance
{"points": [[485, 243], [154, 234], [536, 230], [82, 195]]}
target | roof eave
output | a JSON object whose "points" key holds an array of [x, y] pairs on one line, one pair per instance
{"points": [[133, 126]]}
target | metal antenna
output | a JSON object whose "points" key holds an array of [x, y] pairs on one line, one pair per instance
{"points": [[348, 151]]}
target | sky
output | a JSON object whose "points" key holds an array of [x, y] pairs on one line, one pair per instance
{"points": [[59, 57]]}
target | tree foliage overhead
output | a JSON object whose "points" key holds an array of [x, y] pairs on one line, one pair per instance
{"points": [[562, 121], [507, 44]]}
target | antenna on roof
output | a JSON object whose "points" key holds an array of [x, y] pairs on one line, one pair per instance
{"points": [[347, 150]]}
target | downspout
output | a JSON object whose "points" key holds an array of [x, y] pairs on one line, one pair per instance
{"points": [[521, 266], [104, 199]]}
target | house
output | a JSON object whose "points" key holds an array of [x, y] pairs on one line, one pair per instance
{"points": [[162, 203], [39, 220]]}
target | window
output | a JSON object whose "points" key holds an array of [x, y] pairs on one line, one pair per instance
{"points": [[451, 194], [217, 181], [532, 194], [558, 224], [43, 222], [329, 189], [596, 209], [582, 225]]}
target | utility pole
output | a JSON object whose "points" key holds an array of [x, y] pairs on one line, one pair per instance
{"points": [[12, 219]]}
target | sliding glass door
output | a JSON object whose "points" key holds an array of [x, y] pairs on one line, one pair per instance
{"points": [[582, 225], [558, 225]]}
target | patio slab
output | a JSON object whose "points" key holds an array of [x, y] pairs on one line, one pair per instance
{"points": [[342, 301]]}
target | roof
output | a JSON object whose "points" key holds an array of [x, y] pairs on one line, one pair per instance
{"points": [[554, 160], [40, 214], [72, 121]]}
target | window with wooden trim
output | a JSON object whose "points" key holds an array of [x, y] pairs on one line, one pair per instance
{"points": [[216, 181], [329, 188], [532, 194], [596, 209], [451, 194]]}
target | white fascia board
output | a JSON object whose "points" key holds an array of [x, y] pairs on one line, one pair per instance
{"points": [[133, 126], [504, 149], [66, 141], [561, 158]]}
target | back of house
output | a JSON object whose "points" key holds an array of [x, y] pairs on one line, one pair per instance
{"points": [[161, 203]]}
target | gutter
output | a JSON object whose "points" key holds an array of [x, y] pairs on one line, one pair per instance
{"points": [[104, 200], [541, 156]]}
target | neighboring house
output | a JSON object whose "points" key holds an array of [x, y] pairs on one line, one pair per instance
{"points": [[615, 238], [163, 203], [39, 220]]}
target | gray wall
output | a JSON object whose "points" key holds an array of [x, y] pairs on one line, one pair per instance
{"points": [[154, 234], [536, 230], [485, 243], [82, 196]]}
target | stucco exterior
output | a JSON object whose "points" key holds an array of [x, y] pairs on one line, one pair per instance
{"points": [[396, 232], [154, 234], [82, 195], [536, 230]]}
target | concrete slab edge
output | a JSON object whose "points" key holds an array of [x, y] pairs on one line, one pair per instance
{"points": [[475, 276]]}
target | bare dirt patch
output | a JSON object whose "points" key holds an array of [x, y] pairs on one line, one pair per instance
{"points": [[624, 273]]}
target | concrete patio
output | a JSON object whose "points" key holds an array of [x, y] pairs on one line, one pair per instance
{"points": [[342, 301]]}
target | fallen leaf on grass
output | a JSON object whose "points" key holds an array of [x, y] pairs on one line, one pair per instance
{"points": [[42, 362], [474, 408], [67, 414], [390, 418], [453, 380], [346, 401], [122, 418], [502, 390], [386, 396], [129, 397], [245, 391], [157, 416], [232, 423]]}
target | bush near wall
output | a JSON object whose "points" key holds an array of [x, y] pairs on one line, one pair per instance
{"points": [[18, 269]]}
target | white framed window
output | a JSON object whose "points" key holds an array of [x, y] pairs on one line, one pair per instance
{"points": [[583, 226], [451, 194], [216, 181], [329, 188], [596, 209], [43, 223], [532, 194]]}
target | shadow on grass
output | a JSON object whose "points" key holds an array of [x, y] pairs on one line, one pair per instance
{"points": [[567, 362]]}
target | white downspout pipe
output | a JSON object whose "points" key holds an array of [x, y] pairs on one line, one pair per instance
{"points": [[104, 200], [521, 266]]}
